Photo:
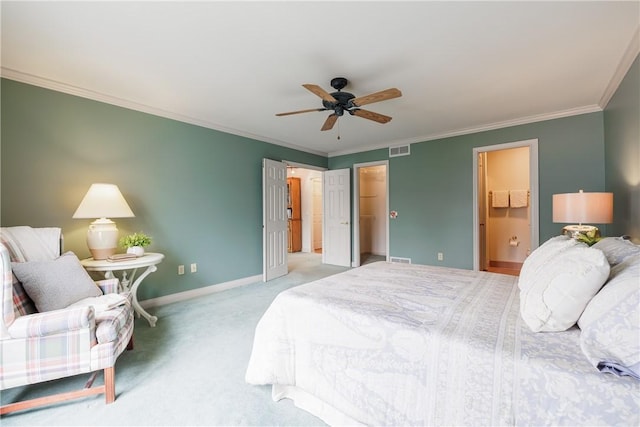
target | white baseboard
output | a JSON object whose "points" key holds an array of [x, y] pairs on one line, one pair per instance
{"points": [[194, 293]]}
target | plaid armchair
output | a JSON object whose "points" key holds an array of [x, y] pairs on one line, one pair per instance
{"points": [[37, 347]]}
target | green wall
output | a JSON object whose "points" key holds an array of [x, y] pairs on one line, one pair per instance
{"points": [[196, 191], [622, 154], [432, 189]]}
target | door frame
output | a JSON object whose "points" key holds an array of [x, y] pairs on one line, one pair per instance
{"points": [[533, 195], [356, 208], [303, 166], [309, 167], [285, 163]]}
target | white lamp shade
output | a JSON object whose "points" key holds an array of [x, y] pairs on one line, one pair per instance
{"points": [[594, 208], [103, 201]]}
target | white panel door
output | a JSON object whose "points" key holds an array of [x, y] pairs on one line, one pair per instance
{"points": [[274, 225], [337, 218]]}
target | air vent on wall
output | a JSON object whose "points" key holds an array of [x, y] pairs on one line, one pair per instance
{"points": [[401, 150], [400, 260]]}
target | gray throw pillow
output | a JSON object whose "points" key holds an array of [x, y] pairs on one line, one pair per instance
{"points": [[616, 249], [55, 284]]}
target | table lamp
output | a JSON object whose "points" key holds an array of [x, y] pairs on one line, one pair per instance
{"points": [[581, 207], [102, 201]]}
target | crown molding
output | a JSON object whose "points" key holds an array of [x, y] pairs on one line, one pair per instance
{"points": [[45, 83], [124, 103], [483, 128], [629, 56]]}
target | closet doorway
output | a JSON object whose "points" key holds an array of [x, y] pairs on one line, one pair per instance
{"points": [[370, 212], [304, 209], [506, 205]]}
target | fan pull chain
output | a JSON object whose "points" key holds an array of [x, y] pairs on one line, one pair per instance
{"points": [[338, 130]]}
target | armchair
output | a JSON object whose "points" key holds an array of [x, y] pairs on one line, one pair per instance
{"points": [[42, 346]]}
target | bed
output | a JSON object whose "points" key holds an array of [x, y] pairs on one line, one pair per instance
{"points": [[403, 344]]}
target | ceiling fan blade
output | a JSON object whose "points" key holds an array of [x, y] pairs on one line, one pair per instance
{"points": [[301, 111], [376, 97], [376, 117], [331, 120], [317, 90]]}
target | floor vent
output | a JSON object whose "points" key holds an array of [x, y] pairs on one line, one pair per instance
{"points": [[400, 260], [401, 150]]}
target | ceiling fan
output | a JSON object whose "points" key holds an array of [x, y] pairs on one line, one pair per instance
{"points": [[339, 102]]}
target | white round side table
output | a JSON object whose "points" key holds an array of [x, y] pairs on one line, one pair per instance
{"points": [[148, 260]]}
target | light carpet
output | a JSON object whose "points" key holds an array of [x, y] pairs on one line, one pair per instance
{"points": [[189, 369]]}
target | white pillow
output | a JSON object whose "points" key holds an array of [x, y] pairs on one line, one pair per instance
{"points": [[611, 321], [554, 293], [616, 249], [542, 255]]}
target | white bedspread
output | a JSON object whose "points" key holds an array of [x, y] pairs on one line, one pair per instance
{"points": [[398, 344]]}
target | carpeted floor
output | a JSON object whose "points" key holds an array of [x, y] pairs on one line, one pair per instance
{"points": [[189, 369]]}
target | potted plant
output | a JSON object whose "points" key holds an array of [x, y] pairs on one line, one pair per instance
{"points": [[589, 237], [135, 243]]}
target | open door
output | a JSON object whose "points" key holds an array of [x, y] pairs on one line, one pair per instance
{"points": [[337, 217], [482, 210], [480, 236], [370, 207], [274, 225]]}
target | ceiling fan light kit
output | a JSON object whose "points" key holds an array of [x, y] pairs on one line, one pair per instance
{"points": [[339, 102]]}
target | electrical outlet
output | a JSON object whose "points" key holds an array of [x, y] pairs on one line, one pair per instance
{"points": [[440, 256], [194, 267], [181, 269]]}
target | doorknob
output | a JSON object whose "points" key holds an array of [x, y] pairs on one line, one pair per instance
{"points": [[345, 223]]}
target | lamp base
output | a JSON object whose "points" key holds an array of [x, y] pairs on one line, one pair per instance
{"points": [[102, 238], [574, 231]]}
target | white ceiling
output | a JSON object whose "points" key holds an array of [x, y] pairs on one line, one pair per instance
{"points": [[231, 66]]}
